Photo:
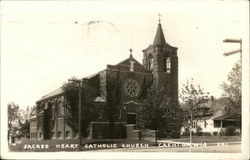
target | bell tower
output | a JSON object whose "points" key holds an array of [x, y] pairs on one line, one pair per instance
{"points": [[161, 59]]}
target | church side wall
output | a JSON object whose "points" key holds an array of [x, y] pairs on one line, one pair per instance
{"points": [[103, 84], [60, 129]]}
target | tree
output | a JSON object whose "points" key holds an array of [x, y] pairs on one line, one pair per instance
{"points": [[193, 99], [25, 123], [14, 119], [158, 111], [232, 90], [25, 128], [28, 112], [71, 90], [18, 120]]}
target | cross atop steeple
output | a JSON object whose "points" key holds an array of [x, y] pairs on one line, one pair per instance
{"points": [[159, 18], [159, 36]]}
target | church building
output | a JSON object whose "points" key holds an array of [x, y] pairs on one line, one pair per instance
{"points": [[128, 81]]}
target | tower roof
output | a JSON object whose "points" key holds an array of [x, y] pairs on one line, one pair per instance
{"points": [[159, 37]]}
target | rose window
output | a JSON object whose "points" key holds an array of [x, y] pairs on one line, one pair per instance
{"points": [[131, 87]]}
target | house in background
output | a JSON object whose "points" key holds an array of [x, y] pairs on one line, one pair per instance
{"points": [[215, 119], [18, 125]]}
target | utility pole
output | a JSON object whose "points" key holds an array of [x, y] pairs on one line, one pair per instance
{"points": [[79, 111], [235, 51]]}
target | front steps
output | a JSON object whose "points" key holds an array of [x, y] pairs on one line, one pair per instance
{"points": [[142, 134]]}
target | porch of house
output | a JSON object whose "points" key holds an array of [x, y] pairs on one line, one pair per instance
{"points": [[223, 122]]}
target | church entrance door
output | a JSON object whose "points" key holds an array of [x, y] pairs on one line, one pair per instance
{"points": [[131, 118]]}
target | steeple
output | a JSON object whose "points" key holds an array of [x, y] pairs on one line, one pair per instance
{"points": [[162, 61], [159, 36]]}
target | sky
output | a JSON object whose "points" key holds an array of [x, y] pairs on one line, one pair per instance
{"points": [[43, 44]]}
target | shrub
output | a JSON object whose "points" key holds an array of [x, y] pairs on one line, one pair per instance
{"points": [[186, 132], [230, 131], [237, 133], [199, 131], [206, 134], [161, 133], [175, 134], [222, 132], [215, 133]]}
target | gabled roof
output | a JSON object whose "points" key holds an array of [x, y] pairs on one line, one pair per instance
{"points": [[219, 104], [148, 48], [126, 61], [159, 39], [137, 65], [228, 118], [52, 94], [218, 113], [92, 75], [59, 91]]}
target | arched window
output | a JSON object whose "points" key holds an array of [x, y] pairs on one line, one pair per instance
{"points": [[150, 62], [168, 65]]}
